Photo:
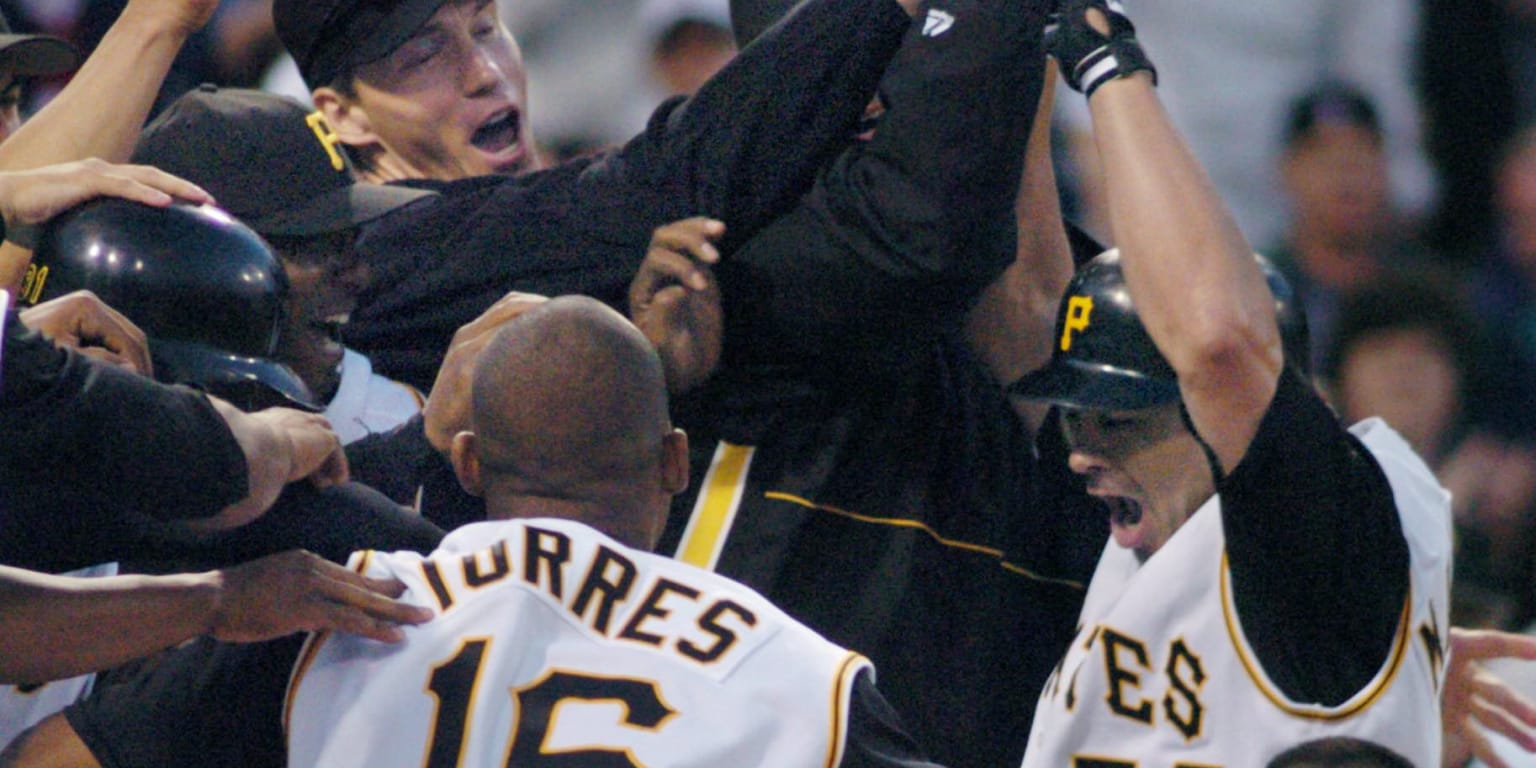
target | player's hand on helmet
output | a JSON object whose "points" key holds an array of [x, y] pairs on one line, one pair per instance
{"points": [[29, 198], [1095, 42], [298, 591], [675, 300], [81, 321], [1476, 700], [447, 410]]}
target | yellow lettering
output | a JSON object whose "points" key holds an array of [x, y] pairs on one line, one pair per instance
{"points": [[328, 139], [1079, 310], [32, 288]]}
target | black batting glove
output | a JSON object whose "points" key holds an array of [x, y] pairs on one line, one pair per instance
{"points": [[1090, 58]]}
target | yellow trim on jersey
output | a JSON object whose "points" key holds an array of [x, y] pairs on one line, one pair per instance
{"points": [[715, 511], [1362, 699], [311, 649], [921, 526], [842, 696]]}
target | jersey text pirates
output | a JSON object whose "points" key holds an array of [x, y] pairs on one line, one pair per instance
{"points": [[1162, 675]]}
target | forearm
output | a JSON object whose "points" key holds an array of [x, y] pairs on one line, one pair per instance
{"points": [[1010, 327], [1191, 273], [1181, 249], [100, 112], [954, 139], [14, 261], [52, 627], [268, 459]]}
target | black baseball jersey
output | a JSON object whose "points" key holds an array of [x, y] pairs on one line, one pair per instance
{"points": [[741, 150], [852, 460]]}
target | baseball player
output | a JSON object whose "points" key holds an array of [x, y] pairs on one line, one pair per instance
{"points": [[557, 638], [265, 159], [1273, 577]]}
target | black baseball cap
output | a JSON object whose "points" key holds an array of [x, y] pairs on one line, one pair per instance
{"points": [[268, 160], [34, 54], [328, 37], [1330, 103]]}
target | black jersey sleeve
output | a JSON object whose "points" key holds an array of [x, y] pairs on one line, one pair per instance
{"points": [[875, 735], [92, 452], [900, 233], [1318, 559], [750, 142]]}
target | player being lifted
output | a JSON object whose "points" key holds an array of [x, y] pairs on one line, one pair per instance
{"points": [[1273, 577]]}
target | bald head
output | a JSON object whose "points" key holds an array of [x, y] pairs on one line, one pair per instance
{"points": [[569, 403]]}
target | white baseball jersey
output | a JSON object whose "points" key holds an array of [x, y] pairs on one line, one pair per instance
{"points": [[1160, 674], [366, 402], [23, 706], [555, 644]]}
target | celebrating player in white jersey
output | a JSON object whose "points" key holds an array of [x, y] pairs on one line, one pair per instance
{"points": [[554, 642], [1273, 578]]}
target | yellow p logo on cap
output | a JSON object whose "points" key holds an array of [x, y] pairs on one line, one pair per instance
{"points": [[327, 137]]}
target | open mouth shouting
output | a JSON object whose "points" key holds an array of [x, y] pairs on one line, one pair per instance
{"points": [[1125, 521], [500, 137]]}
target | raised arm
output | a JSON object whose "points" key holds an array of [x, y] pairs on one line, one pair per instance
{"points": [[1191, 273], [751, 140]]}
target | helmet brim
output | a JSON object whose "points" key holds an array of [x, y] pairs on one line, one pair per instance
{"points": [[251, 383], [1077, 384]]}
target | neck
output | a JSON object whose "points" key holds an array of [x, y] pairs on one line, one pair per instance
{"points": [[612, 520]]}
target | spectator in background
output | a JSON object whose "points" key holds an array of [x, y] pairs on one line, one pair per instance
{"points": [[681, 44], [1344, 233], [1502, 283], [1227, 71], [1474, 69], [237, 43], [23, 57], [1405, 349], [689, 41]]}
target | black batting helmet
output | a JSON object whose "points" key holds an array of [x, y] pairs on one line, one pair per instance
{"points": [[1103, 357], [207, 291]]}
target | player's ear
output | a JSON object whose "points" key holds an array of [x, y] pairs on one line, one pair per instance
{"points": [[464, 452], [674, 462], [346, 116]]}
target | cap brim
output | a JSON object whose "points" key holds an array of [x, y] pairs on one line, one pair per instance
{"points": [[37, 55], [398, 26], [337, 209], [1083, 385], [249, 382]]}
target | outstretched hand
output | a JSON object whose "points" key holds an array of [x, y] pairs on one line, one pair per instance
{"points": [[675, 301], [298, 591], [1476, 699]]}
